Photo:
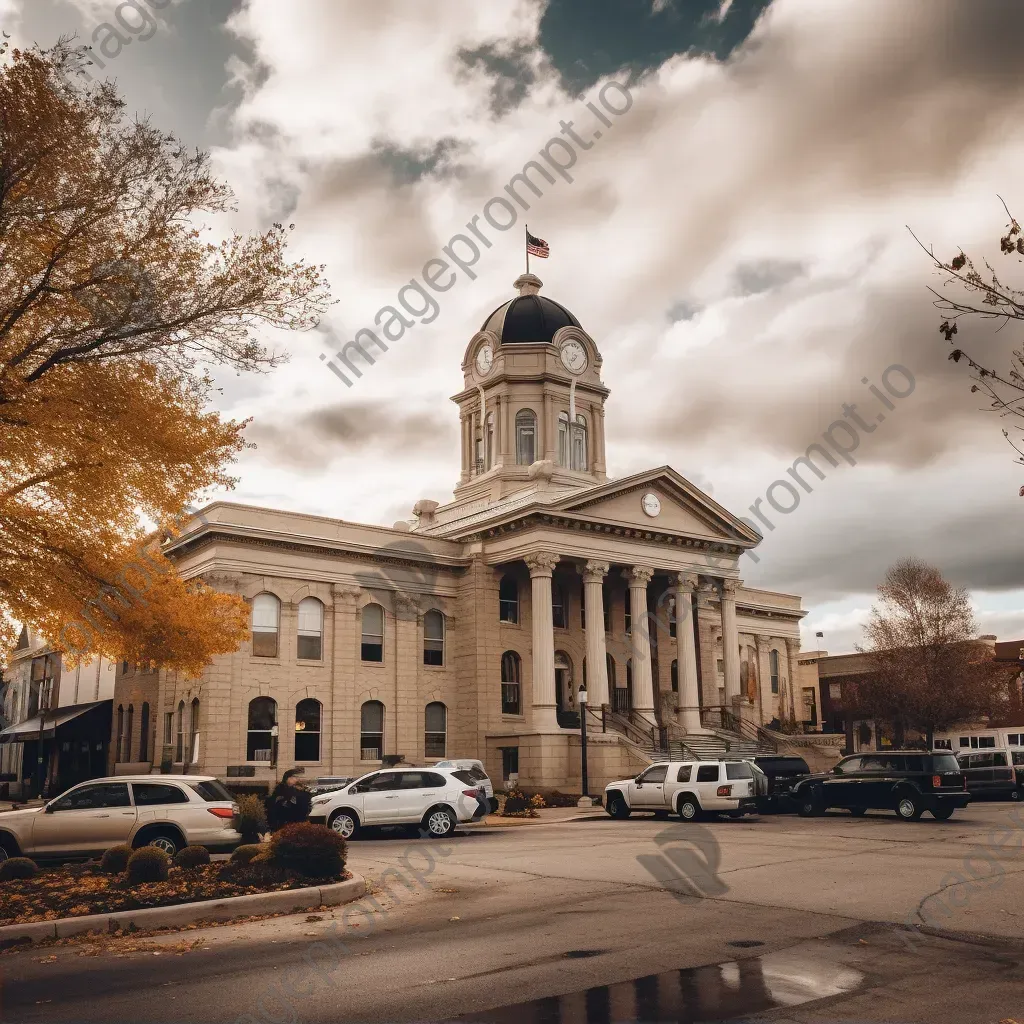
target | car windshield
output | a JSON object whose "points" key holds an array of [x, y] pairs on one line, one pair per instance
{"points": [[944, 763], [466, 776]]}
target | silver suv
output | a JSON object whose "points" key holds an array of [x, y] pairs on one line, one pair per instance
{"points": [[168, 811]]}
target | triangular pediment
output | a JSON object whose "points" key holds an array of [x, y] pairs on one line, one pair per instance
{"points": [[681, 507]]}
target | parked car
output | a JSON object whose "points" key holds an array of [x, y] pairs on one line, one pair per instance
{"points": [[908, 782], [436, 799], [475, 773], [168, 811], [994, 773], [690, 789], [329, 783], [781, 771]]}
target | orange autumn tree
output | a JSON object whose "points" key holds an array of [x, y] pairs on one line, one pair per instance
{"points": [[113, 309]]}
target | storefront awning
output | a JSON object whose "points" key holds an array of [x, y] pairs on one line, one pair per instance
{"points": [[48, 723]]}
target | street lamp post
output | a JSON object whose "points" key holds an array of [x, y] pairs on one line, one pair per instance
{"points": [[585, 800]]}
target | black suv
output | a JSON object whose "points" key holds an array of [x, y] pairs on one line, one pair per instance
{"points": [[908, 782], [994, 773], [783, 772]]}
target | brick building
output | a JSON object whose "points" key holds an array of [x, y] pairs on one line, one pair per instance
{"points": [[468, 629]]}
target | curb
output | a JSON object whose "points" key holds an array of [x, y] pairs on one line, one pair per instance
{"points": [[146, 918]]}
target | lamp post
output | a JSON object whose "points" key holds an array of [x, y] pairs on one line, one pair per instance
{"points": [[585, 800]]}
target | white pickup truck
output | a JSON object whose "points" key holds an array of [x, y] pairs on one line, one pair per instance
{"points": [[690, 789]]}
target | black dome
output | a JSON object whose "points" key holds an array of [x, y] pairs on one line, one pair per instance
{"points": [[529, 318]]}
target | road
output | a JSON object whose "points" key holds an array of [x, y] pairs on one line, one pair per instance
{"points": [[771, 919]]}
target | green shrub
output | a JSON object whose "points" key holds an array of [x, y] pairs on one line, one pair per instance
{"points": [[17, 869], [311, 850], [192, 857], [115, 860], [148, 864], [244, 854], [251, 819]]}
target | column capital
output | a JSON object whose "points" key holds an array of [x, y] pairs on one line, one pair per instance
{"points": [[792, 646], [541, 563], [688, 581], [594, 572], [344, 594], [729, 588], [763, 643], [407, 605], [639, 576]]}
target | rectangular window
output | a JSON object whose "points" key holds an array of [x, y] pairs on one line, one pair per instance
{"points": [[707, 773], [510, 698], [986, 741], [965, 741], [773, 667], [1014, 739], [558, 610], [168, 727], [150, 793], [509, 762], [684, 773], [212, 791], [372, 647], [738, 770]]}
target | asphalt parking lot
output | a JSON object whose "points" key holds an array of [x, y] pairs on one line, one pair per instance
{"points": [[774, 919]]}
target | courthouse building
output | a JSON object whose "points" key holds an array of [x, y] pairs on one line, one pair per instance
{"points": [[468, 630]]}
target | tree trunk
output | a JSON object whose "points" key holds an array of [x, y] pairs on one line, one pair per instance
{"points": [[931, 737]]}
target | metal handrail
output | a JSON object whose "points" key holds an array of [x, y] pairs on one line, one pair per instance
{"points": [[728, 720]]}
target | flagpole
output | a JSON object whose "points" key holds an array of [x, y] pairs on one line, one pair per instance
{"points": [[527, 241]]}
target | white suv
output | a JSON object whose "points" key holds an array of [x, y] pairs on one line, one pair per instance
{"points": [[169, 811], [434, 798], [690, 789]]}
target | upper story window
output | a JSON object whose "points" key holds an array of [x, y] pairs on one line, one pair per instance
{"points": [[485, 445], [559, 607], [266, 617], [261, 721], [508, 599], [307, 729], [526, 437], [773, 664], [572, 442], [672, 617], [433, 638], [311, 629], [373, 633]]}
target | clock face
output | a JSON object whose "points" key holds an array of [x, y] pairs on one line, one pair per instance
{"points": [[484, 360], [651, 504], [574, 357]]}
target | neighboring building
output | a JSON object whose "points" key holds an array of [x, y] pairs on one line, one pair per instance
{"points": [[468, 630], [57, 719]]}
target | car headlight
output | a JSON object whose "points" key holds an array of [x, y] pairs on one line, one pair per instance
{"points": [[321, 800]]}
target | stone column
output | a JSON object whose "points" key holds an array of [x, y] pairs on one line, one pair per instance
{"points": [[764, 678], [688, 711], [541, 566], [643, 681], [730, 640], [597, 660], [792, 650]]}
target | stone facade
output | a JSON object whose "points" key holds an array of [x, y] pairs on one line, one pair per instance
{"points": [[539, 573]]}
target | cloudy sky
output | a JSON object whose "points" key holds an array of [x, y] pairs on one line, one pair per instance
{"points": [[736, 242]]}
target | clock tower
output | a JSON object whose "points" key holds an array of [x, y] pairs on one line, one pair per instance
{"points": [[532, 409]]}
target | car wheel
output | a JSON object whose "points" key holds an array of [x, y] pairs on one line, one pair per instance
{"points": [[618, 808], [8, 848], [907, 807], [345, 823], [858, 812], [1014, 794], [166, 841], [689, 809], [809, 804], [439, 822], [942, 813]]}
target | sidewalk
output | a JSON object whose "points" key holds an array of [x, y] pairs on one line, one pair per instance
{"points": [[547, 816]]}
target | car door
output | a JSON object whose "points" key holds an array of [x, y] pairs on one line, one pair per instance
{"points": [[840, 788], [1003, 780], [706, 785], [647, 790], [90, 818], [417, 792], [162, 801], [380, 795]]}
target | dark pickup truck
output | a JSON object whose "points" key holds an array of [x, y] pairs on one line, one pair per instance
{"points": [[908, 782], [783, 771]]}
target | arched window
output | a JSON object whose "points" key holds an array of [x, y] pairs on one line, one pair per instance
{"points": [[373, 635], [120, 732], [307, 730], [194, 732], [773, 663], [179, 746], [262, 719], [144, 733], [508, 599], [511, 669], [435, 729], [526, 437], [371, 731], [559, 611], [433, 638], [579, 444], [266, 617], [311, 629], [129, 721], [675, 677]]}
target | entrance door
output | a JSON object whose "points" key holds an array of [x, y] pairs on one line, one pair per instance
{"points": [[565, 692]]}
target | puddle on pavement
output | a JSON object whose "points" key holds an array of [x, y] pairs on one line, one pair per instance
{"points": [[699, 995]]}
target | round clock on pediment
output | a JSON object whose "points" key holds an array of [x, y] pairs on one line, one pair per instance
{"points": [[573, 356], [484, 360], [651, 504]]}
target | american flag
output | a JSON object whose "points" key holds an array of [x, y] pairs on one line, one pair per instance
{"points": [[537, 246]]}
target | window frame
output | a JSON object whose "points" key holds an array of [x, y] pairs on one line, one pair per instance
{"points": [[265, 631], [508, 607], [430, 736], [526, 427], [263, 701], [515, 685], [304, 732], [377, 640], [364, 732], [306, 632], [559, 606], [429, 652], [774, 670]]}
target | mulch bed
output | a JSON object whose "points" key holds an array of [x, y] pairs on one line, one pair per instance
{"points": [[79, 891]]}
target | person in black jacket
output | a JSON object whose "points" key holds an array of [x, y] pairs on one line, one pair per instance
{"points": [[289, 802]]}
